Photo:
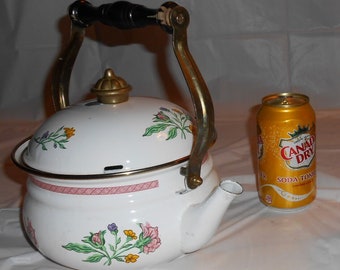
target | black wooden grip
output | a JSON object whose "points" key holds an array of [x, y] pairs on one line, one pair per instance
{"points": [[121, 14]]}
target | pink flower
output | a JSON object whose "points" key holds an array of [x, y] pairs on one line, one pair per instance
{"points": [[152, 232], [31, 232], [161, 116], [96, 238]]}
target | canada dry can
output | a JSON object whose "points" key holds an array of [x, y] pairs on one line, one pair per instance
{"points": [[286, 151]]}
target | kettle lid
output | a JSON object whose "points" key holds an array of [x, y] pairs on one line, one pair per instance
{"points": [[93, 138]]}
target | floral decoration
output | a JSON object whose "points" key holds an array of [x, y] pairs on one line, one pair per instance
{"points": [[171, 120], [31, 232], [58, 138], [126, 248]]}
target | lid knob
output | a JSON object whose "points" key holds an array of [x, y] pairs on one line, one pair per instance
{"points": [[111, 89]]}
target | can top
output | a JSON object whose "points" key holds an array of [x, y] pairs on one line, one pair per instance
{"points": [[285, 100]]}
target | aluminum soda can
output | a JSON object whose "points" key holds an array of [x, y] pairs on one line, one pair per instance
{"points": [[286, 139]]}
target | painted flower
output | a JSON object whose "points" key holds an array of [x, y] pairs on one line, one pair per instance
{"points": [[177, 111], [45, 135], [57, 138], [131, 258], [169, 124], [164, 109], [162, 116], [122, 249], [112, 227], [96, 238], [69, 132], [152, 233], [31, 232], [130, 233]]}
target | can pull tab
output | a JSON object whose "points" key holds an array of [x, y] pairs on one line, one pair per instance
{"points": [[284, 101], [173, 19]]}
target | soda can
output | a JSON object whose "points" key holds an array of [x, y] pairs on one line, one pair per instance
{"points": [[286, 139]]}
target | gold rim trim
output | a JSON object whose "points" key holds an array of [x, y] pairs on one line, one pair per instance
{"points": [[18, 160]]}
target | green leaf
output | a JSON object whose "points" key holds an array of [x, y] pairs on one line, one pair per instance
{"points": [[102, 237], [53, 135], [59, 129], [127, 245], [112, 248], [187, 129], [119, 259], [87, 239], [155, 129], [156, 120], [172, 133], [94, 258], [80, 248], [129, 238], [141, 242], [62, 146]]}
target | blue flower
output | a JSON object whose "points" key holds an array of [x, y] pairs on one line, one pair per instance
{"points": [[112, 227], [45, 135]]}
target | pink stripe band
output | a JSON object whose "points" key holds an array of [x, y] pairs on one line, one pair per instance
{"points": [[96, 191]]}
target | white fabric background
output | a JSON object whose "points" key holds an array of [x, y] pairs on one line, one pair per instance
{"points": [[244, 48]]}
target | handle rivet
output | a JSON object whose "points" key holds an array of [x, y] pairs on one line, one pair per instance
{"points": [[180, 18]]}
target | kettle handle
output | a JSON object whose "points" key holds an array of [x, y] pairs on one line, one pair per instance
{"points": [[203, 106], [172, 18]]}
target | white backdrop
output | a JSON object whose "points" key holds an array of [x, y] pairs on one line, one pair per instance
{"points": [[244, 48]]}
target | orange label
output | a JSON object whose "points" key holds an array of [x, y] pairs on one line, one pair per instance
{"points": [[287, 166]]}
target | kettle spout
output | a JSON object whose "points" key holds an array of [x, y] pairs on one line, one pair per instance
{"points": [[201, 221]]}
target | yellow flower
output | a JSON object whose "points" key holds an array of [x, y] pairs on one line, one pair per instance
{"points": [[131, 258], [69, 132], [177, 111], [130, 233]]}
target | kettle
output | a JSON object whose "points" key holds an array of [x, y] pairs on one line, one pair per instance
{"points": [[119, 180]]}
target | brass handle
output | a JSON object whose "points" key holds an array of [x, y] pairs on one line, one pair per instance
{"points": [[64, 66], [174, 19], [200, 95]]}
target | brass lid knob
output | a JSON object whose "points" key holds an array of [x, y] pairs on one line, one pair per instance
{"points": [[111, 89]]}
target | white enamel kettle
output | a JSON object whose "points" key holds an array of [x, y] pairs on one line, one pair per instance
{"points": [[123, 181]]}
